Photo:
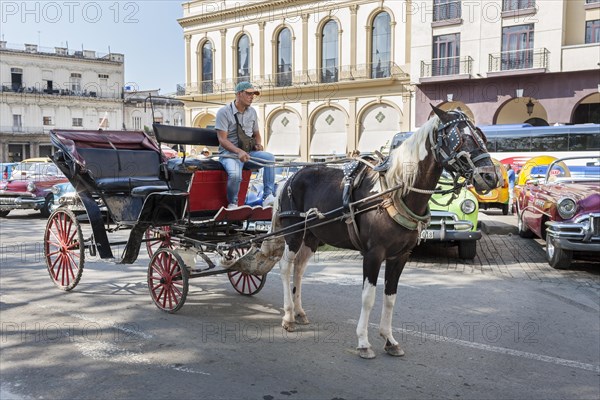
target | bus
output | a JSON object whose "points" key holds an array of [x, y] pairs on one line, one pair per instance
{"points": [[515, 144]]}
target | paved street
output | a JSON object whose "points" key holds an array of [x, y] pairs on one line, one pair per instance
{"points": [[505, 325]]}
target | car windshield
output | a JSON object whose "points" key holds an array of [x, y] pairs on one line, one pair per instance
{"points": [[580, 169], [29, 169]]}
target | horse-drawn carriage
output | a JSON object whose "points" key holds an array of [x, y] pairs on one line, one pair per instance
{"points": [[176, 207]]}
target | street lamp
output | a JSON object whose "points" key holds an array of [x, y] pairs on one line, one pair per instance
{"points": [[529, 106]]}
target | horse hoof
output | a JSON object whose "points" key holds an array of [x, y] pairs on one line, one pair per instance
{"points": [[302, 319], [288, 326], [366, 353], [394, 350]]}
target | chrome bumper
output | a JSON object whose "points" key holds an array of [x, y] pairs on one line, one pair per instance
{"points": [[8, 203], [583, 234], [445, 226]]}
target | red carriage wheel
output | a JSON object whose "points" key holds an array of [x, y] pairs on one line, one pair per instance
{"points": [[157, 238], [167, 280], [64, 249], [246, 284], [243, 283]]}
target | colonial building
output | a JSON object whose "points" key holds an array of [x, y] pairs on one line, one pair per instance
{"points": [[508, 61], [333, 75], [345, 75], [59, 88], [144, 107]]}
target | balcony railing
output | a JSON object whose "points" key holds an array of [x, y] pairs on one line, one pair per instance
{"points": [[447, 66], [518, 59], [345, 73], [93, 91]]}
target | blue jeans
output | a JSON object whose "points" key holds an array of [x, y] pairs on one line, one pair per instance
{"points": [[233, 167]]}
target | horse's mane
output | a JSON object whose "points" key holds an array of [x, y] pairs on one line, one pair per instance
{"points": [[406, 158]]}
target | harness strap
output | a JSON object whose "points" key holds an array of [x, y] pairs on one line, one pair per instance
{"points": [[405, 217]]}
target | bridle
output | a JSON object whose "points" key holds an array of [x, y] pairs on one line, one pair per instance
{"points": [[447, 150]]}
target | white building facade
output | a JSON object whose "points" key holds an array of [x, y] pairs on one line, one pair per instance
{"points": [[44, 89], [333, 75]]}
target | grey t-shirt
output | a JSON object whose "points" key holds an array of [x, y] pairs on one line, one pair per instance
{"points": [[225, 121]]}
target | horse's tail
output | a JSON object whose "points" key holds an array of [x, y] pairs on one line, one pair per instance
{"points": [[274, 246]]}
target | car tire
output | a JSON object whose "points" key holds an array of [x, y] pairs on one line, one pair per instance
{"points": [[505, 209], [45, 210], [557, 258], [523, 231], [467, 249], [4, 213]]}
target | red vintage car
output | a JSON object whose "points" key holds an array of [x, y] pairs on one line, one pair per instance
{"points": [[30, 188], [564, 209]]}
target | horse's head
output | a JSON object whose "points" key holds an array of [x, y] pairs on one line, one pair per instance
{"points": [[460, 148]]}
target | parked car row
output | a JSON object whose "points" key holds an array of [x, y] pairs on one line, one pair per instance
{"points": [[562, 206], [29, 186]]}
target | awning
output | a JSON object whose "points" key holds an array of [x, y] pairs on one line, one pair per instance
{"points": [[284, 144], [328, 143], [374, 140]]}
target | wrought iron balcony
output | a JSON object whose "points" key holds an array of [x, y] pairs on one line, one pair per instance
{"points": [[321, 76], [518, 59], [447, 66]]}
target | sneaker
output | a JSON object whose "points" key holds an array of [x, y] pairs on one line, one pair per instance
{"points": [[268, 201], [232, 206]]}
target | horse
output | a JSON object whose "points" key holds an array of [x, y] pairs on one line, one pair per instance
{"points": [[386, 231]]}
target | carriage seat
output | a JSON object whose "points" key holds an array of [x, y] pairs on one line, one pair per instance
{"points": [[190, 165], [123, 170]]}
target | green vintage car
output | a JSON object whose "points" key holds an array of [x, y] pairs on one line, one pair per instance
{"points": [[455, 223]]}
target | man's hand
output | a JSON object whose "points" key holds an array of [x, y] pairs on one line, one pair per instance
{"points": [[243, 156], [258, 147]]}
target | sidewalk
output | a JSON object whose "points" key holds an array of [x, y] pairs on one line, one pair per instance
{"points": [[492, 222]]}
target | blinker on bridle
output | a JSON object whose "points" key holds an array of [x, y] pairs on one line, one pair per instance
{"points": [[449, 139]]}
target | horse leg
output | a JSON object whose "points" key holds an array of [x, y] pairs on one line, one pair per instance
{"points": [[371, 267], [287, 262], [393, 269], [300, 263]]}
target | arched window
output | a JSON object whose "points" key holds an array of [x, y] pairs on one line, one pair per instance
{"points": [[381, 44], [207, 68], [329, 55], [284, 58], [243, 59]]}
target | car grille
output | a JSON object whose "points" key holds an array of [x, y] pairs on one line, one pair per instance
{"points": [[7, 200], [595, 222]]}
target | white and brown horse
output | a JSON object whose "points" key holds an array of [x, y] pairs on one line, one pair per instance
{"points": [[387, 232]]}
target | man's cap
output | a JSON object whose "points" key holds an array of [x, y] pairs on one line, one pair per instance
{"points": [[205, 150], [242, 86]]}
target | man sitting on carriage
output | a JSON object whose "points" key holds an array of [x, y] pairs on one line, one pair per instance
{"points": [[240, 115]]}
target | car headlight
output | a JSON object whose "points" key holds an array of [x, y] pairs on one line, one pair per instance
{"points": [[3, 185], [566, 208], [55, 189], [31, 187], [468, 206]]}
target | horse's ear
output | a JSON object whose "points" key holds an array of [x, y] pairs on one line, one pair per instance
{"points": [[443, 115]]}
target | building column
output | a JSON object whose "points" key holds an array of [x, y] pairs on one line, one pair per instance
{"points": [[352, 134], [188, 60], [224, 56], [305, 45], [304, 133], [353, 29], [261, 49]]}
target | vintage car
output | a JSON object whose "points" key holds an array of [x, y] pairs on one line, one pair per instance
{"points": [[30, 188], [563, 208], [495, 198], [454, 223]]}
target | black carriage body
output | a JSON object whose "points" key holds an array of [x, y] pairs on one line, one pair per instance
{"points": [[125, 170]]}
